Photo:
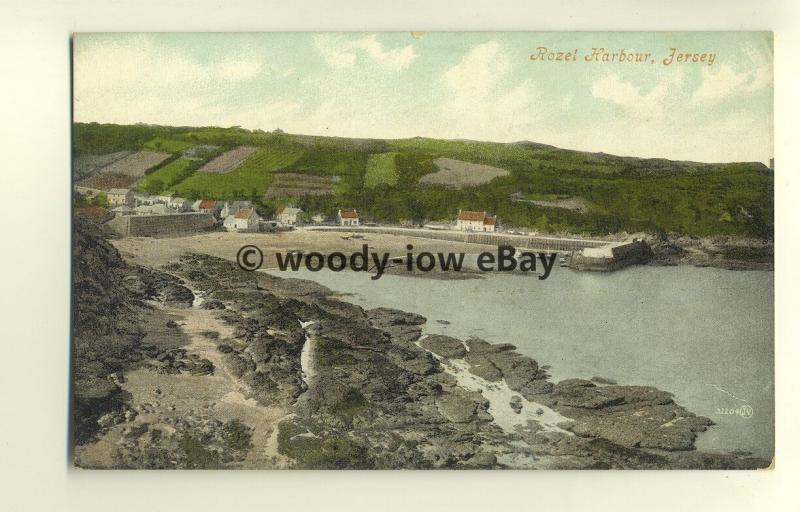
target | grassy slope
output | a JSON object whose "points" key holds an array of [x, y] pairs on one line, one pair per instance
{"points": [[250, 179], [381, 170], [621, 193], [167, 145], [164, 177]]}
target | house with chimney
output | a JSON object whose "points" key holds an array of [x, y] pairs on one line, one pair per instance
{"points": [[475, 221], [120, 197], [245, 220], [348, 217], [287, 215]]}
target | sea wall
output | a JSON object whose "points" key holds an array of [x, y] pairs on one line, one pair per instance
{"points": [[621, 255], [522, 241], [162, 225]]}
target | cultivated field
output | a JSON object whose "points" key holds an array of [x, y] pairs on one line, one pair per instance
{"points": [[250, 179], [85, 166], [165, 177], [229, 160], [291, 184], [459, 174], [126, 171]]}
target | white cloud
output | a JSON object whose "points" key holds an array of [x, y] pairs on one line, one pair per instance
{"points": [[340, 53], [719, 84], [478, 72], [645, 106], [480, 101], [724, 82]]}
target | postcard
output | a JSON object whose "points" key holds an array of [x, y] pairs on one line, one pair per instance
{"points": [[422, 250]]}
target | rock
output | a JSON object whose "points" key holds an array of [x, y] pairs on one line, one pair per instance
{"points": [[603, 380], [482, 366], [177, 295], [202, 367], [461, 406], [171, 324], [539, 411], [516, 404], [571, 383], [212, 304], [483, 459], [399, 324], [444, 346]]}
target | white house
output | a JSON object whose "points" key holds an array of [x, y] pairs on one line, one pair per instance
{"points": [[348, 217], [179, 204], [287, 215], [475, 221], [318, 218], [246, 219], [120, 197], [142, 199]]}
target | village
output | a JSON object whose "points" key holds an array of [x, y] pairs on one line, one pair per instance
{"points": [[242, 215], [133, 214]]}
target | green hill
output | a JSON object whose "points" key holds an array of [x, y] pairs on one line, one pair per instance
{"points": [[381, 179]]}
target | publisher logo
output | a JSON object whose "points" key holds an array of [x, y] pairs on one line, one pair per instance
{"points": [[249, 258]]}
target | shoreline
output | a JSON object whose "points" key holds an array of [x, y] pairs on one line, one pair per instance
{"points": [[378, 399], [717, 252]]}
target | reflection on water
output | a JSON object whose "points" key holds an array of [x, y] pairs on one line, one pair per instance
{"points": [[704, 334]]}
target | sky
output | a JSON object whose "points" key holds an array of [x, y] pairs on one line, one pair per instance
{"points": [[455, 85]]}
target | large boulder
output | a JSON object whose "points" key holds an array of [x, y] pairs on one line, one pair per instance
{"points": [[444, 346]]}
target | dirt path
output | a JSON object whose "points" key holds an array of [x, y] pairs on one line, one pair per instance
{"points": [[156, 397]]}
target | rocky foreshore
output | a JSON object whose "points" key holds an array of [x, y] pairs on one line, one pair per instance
{"points": [[373, 392], [732, 253]]}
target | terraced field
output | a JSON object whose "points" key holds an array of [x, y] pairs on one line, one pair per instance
{"points": [[381, 170], [250, 179], [229, 160], [458, 174], [290, 184], [525, 184], [165, 177], [85, 166], [126, 171]]}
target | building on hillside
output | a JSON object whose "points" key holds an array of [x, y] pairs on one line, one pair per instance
{"points": [[232, 207], [318, 219], [245, 220], [348, 217], [287, 215], [142, 199], [209, 206], [179, 204], [120, 197], [475, 221]]}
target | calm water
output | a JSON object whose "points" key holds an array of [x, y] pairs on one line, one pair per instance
{"points": [[704, 334]]}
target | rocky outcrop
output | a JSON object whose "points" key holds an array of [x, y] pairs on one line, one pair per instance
{"points": [[382, 395]]}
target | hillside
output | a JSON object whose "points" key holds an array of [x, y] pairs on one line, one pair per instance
{"points": [[382, 178]]}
